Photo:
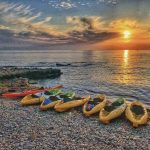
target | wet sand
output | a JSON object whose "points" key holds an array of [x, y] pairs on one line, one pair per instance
{"points": [[25, 128]]}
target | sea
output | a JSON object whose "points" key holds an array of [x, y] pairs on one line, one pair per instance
{"points": [[115, 73]]}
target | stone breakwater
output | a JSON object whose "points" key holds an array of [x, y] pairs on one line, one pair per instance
{"points": [[14, 79], [30, 73]]}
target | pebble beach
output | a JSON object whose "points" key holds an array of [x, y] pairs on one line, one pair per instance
{"points": [[24, 128], [74, 74]]}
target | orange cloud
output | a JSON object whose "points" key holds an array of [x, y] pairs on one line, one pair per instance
{"points": [[20, 22]]}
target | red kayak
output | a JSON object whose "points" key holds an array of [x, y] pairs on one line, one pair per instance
{"points": [[22, 94]]}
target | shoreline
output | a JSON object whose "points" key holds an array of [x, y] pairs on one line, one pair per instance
{"points": [[30, 128]]}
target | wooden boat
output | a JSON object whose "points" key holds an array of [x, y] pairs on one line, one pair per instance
{"points": [[49, 103], [77, 101], [112, 110], [136, 113], [25, 93], [97, 104], [32, 100]]}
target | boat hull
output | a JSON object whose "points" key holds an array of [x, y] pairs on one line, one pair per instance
{"points": [[49, 106], [133, 118], [61, 106], [25, 93], [106, 118], [96, 109], [29, 100]]}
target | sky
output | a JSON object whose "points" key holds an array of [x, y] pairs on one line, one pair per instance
{"points": [[74, 24]]}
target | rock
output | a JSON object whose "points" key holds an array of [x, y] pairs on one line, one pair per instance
{"points": [[30, 73], [62, 64]]}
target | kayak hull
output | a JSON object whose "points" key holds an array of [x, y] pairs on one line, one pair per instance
{"points": [[61, 106], [97, 108], [134, 119], [106, 117], [29, 100], [49, 106], [25, 93]]}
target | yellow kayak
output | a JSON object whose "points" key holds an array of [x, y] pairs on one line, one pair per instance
{"points": [[64, 106], [136, 113], [32, 100], [94, 105], [49, 103], [112, 110]]}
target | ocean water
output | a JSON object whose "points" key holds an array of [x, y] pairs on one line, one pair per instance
{"points": [[124, 73]]}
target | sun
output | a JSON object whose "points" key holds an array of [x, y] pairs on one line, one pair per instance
{"points": [[126, 34]]}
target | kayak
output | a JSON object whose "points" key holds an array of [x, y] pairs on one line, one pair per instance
{"points": [[136, 113], [56, 97], [32, 100], [94, 105], [77, 101], [49, 103], [38, 98], [112, 110], [22, 94]]}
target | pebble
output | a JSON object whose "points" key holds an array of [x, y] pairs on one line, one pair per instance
{"points": [[24, 128]]}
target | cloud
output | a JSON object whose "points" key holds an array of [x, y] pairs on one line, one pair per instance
{"points": [[21, 18], [113, 2], [120, 24], [3, 27], [135, 27], [91, 37], [18, 9], [85, 23], [67, 5], [20, 27], [89, 29], [28, 40], [62, 4]]}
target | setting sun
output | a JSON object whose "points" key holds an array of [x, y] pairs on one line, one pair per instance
{"points": [[126, 34]]}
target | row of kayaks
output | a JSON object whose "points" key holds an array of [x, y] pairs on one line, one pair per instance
{"points": [[27, 92], [136, 112]]}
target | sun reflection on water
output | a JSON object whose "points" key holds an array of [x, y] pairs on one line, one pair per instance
{"points": [[125, 57], [126, 77]]}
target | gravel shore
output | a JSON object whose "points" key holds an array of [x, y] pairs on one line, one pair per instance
{"points": [[26, 128]]}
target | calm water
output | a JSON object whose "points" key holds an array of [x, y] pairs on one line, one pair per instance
{"points": [[115, 73]]}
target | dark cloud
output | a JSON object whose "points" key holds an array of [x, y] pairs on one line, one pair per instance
{"points": [[91, 36], [39, 39], [88, 22], [9, 40]]}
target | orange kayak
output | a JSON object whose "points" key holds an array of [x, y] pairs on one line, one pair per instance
{"points": [[22, 94]]}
